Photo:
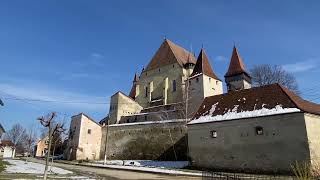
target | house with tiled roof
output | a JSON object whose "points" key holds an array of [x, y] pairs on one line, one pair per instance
{"points": [[265, 128]]}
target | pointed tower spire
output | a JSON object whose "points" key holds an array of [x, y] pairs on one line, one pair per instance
{"points": [[237, 77], [236, 65], [203, 66], [132, 93], [136, 78]]}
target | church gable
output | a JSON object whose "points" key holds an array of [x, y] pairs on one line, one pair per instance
{"points": [[170, 53]]}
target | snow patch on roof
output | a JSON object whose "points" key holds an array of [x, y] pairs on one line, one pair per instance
{"points": [[233, 114]]}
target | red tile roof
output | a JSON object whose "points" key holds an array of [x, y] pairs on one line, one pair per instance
{"points": [[6, 143], [170, 53], [236, 65], [203, 66], [255, 98]]}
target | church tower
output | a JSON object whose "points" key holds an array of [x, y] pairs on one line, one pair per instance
{"points": [[237, 78], [203, 82], [135, 87]]}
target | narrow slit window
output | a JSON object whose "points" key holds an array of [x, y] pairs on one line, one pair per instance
{"points": [[146, 93], [89, 131], [174, 86]]}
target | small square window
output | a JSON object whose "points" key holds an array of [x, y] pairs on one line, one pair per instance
{"points": [[259, 130], [209, 79], [89, 131], [213, 134]]}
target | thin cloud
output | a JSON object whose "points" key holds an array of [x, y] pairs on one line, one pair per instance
{"points": [[56, 97], [97, 55], [97, 59], [301, 66], [220, 58]]}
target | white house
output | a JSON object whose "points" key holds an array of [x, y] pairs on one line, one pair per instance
{"points": [[7, 149]]}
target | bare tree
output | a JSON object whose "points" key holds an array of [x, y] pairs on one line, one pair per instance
{"points": [[53, 127], [30, 140], [266, 74], [17, 136]]}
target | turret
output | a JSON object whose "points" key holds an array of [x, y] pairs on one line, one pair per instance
{"points": [[237, 78], [135, 87], [203, 82]]}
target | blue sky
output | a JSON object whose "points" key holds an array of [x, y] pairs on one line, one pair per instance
{"points": [[85, 51]]}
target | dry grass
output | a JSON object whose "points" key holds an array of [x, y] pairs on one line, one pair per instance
{"points": [[3, 165], [306, 170]]}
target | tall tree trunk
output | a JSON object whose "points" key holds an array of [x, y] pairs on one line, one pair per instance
{"points": [[48, 154]]}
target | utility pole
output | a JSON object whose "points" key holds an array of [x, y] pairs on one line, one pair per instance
{"points": [[106, 144]]}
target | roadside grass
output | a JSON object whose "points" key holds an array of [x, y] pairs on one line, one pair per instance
{"points": [[3, 165]]}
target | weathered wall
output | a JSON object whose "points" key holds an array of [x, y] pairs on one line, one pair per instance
{"points": [[200, 87], [74, 134], [42, 147], [122, 105], [146, 141], [7, 152], [84, 139], [237, 146], [157, 77], [313, 131]]}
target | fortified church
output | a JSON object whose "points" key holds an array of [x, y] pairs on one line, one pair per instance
{"points": [[177, 110]]}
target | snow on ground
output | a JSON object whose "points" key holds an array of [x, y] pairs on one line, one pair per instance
{"points": [[148, 163], [19, 166], [233, 114], [148, 169]]}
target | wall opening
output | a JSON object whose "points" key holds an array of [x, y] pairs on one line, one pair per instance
{"points": [[259, 130]]}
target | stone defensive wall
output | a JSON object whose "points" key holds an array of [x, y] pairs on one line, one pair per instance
{"points": [[152, 140]]}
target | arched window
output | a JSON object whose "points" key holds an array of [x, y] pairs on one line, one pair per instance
{"points": [[174, 86]]}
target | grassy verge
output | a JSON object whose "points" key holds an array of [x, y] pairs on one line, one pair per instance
{"points": [[3, 165]]}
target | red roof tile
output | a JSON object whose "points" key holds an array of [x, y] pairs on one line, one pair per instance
{"points": [[170, 53], [236, 65], [203, 66], [6, 143], [255, 98]]}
